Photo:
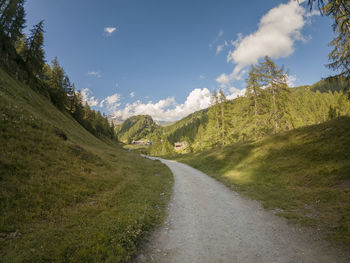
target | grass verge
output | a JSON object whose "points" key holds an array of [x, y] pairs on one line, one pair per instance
{"points": [[66, 196], [304, 174]]}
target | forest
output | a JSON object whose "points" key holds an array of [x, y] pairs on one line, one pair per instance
{"points": [[23, 57], [268, 107], [71, 190]]}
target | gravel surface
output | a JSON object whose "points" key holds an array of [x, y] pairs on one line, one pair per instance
{"points": [[208, 222]]}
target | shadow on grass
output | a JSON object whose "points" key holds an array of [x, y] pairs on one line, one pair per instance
{"points": [[300, 172]]}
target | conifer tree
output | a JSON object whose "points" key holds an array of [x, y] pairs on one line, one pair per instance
{"points": [[222, 100], [12, 23], [274, 78], [35, 55], [339, 11], [215, 102], [253, 93], [55, 76]]}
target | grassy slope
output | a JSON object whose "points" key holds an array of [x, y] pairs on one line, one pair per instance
{"points": [[75, 200], [136, 128], [305, 173]]}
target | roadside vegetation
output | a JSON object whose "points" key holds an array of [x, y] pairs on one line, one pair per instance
{"points": [[68, 191], [267, 108], [303, 175], [67, 196]]}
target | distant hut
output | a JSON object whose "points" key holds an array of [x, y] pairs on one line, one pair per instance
{"points": [[180, 146]]}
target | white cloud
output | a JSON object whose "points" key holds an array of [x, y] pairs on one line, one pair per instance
{"points": [[167, 109], [132, 94], [94, 73], [109, 30], [85, 94], [291, 80], [235, 93], [314, 12], [202, 76], [275, 37], [111, 102], [220, 48], [224, 80], [219, 35]]}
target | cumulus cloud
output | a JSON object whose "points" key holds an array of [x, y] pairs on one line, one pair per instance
{"points": [[277, 32], [132, 94], [224, 80], [86, 97], [94, 73], [111, 102], [291, 80], [109, 30], [168, 109], [234, 93]]}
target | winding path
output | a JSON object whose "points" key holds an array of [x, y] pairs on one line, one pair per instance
{"points": [[207, 222]]}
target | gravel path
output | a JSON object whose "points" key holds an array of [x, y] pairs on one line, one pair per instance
{"points": [[207, 222]]}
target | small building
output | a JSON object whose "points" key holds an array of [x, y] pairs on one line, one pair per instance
{"points": [[180, 146], [139, 142]]}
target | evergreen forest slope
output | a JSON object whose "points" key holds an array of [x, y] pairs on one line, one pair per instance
{"points": [[232, 121], [136, 128]]}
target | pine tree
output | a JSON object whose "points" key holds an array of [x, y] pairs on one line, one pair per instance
{"points": [[12, 23], [55, 76], [339, 11], [253, 93], [274, 78], [35, 55], [222, 100]]}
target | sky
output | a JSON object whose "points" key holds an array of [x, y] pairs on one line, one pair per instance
{"points": [[165, 57]]}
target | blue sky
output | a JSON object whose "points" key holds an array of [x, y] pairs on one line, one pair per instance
{"points": [[163, 57]]}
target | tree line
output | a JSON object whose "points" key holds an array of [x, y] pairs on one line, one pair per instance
{"points": [[23, 57], [268, 107]]}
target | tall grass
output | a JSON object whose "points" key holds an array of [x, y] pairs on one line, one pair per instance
{"points": [[303, 174], [66, 196]]}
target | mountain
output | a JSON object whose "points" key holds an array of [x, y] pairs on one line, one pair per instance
{"points": [[136, 128], [67, 195]]}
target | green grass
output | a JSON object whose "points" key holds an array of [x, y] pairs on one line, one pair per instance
{"points": [[135, 147], [305, 173], [75, 200]]}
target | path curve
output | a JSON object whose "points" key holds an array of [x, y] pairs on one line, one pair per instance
{"points": [[208, 222]]}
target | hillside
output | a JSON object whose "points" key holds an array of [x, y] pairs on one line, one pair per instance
{"points": [[186, 127], [303, 174], [67, 196], [136, 128], [332, 84], [235, 121]]}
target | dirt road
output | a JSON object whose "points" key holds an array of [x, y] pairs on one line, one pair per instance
{"points": [[207, 222]]}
